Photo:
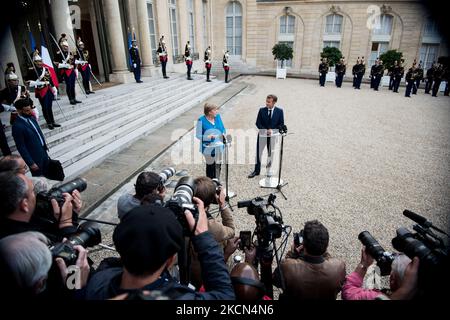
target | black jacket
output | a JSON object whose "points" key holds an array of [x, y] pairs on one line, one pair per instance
{"points": [[134, 54], [106, 284]]}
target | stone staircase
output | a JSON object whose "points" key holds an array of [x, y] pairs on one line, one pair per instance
{"points": [[237, 66], [114, 118]]}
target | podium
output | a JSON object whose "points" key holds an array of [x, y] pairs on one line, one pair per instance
{"points": [[271, 180]]}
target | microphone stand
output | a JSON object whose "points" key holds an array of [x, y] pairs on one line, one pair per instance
{"points": [[280, 183], [228, 194]]}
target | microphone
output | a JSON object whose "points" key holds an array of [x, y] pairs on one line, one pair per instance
{"points": [[416, 218], [227, 138]]}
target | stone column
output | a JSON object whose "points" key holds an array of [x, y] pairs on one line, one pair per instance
{"points": [[8, 54], [163, 21], [116, 42], [144, 32], [62, 20], [183, 24]]}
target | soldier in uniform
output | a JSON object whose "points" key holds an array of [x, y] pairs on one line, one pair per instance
{"points": [[391, 74], [323, 70], [44, 90], [208, 65], [65, 62], [188, 59], [437, 78], [340, 72], [399, 71], [83, 66], [354, 71], [162, 53], [361, 69], [418, 78], [8, 96], [226, 66], [429, 78], [136, 61], [372, 74], [379, 72], [410, 76]]}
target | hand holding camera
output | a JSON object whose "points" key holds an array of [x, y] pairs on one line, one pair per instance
{"points": [[64, 213], [81, 263], [202, 223]]}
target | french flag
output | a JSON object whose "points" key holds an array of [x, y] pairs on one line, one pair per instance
{"points": [[47, 61]]}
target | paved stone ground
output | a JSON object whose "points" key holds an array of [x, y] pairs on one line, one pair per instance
{"points": [[354, 160]]}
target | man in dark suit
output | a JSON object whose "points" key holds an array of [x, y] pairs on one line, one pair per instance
{"points": [[136, 61], [269, 118], [30, 140]]}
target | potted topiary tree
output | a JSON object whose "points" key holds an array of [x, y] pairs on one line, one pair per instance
{"points": [[282, 52], [388, 58], [333, 56]]}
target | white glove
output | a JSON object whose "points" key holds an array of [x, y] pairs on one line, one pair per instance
{"points": [[134, 65], [9, 108]]}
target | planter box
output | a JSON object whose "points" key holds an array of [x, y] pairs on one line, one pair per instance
{"points": [[281, 73]]}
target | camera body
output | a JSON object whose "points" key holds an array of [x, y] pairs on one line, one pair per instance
{"points": [[383, 258], [298, 238], [87, 235], [182, 200], [44, 209]]}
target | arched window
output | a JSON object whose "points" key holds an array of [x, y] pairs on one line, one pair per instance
{"points": [[385, 25], [334, 24], [431, 40], [287, 25], [234, 28]]}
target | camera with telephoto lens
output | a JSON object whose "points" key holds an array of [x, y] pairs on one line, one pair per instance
{"points": [[182, 200], [269, 226], [382, 257], [166, 174], [431, 250], [218, 186], [87, 235], [44, 208]]}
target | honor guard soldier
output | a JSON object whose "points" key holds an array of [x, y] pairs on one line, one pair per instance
{"points": [[372, 74], [162, 54], [340, 72], [418, 78], [379, 72], [323, 70], [65, 61], [391, 74], [188, 59], [44, 90], [437, 78], [83, 66], [226, 66], [8, 96], [135, 61], [399, 71], [354, 71], [410, 76], [208, 65], [360, 70], [429, 78]]}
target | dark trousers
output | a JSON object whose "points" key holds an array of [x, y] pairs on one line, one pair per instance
{"points": [[46, 104], [354, 81], [208, 72], [436, 85], [137, 72], [372, 82], [322, 78], [391, 82], [3, 141], [339, 78], [260, 146], [213, 167], [446, 92], [358, 81], [86, 75], [189, 67], [376, 83], [409, 86], [416, 86], [70, 85], [428, 85], [163, 67], [397, 83], [226, 75]]}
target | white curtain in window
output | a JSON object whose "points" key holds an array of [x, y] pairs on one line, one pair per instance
{"points": [[234, 28], [385, 26], [333, 24]]}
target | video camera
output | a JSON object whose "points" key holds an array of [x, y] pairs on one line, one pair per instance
{"points": [[382, 257], [182, 200], [87, 235], [44, 209]]}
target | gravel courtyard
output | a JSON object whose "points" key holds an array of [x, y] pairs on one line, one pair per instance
{"points": [[353, 159]]}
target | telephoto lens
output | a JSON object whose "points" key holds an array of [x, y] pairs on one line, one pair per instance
{"points": [[384, 259], [166, 174], [88, 235]]}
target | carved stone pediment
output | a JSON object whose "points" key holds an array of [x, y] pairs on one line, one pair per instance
{"points": [[335, 9], [385, 9]]}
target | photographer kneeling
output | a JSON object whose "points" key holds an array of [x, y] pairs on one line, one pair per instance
{"points": [[147, 240], [402, 280], [309, 271], [18, 206]]}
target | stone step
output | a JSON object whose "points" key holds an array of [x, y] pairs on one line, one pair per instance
{"points": [[107, 124], [74, 169]]}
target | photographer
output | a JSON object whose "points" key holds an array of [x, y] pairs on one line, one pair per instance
{"points": [[18, 205], [309, 271], [25, 262], [402, 280], [147, 240], [146, 183]]}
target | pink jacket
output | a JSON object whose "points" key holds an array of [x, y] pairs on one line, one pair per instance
{"points": [[353, 290]]}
